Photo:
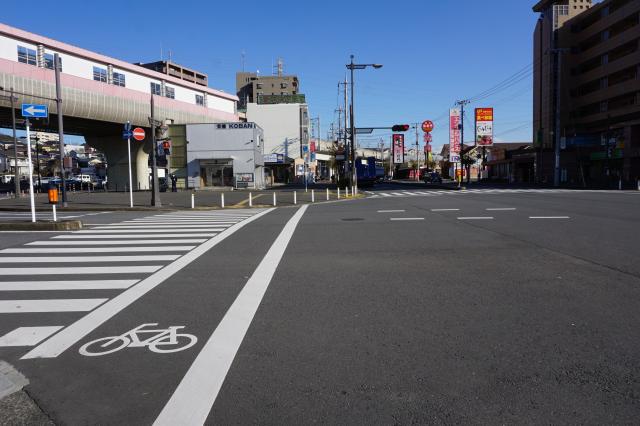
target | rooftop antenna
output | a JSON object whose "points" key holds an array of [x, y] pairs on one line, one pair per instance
{"points": [[169, 55], [280, 67], [243, 54], [161, 53]]}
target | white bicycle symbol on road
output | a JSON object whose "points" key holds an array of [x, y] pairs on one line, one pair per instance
{"points": [[162, 341]]}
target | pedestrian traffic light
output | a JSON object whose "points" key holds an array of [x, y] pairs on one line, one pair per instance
{"points": [[400, 128], [166, 146]]}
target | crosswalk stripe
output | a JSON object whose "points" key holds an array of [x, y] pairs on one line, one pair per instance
{"points": [[49, 305], [115, 243], [27, 336], [87, 259], [384, 194], [55, 250], [158, 235], [66, 285], [81, 271], [164, 226]]}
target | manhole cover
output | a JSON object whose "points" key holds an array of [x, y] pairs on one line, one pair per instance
{"points": [[352, 219]]}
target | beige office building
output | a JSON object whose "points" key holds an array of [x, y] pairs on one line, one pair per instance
{"points": [[587, 53]]}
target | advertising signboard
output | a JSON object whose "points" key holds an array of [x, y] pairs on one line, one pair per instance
{"points": [[484, 126], [398, 149], [454, 135]]}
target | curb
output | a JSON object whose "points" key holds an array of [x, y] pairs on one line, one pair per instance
{"points": [[69, 225]]}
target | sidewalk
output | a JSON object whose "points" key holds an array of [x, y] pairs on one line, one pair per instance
{"points": [[119, 201]]}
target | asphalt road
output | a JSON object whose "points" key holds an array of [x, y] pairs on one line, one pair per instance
{"points": [[412, 306]]}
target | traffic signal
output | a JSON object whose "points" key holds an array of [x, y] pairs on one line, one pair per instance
{"points": [[400, 128], [166, 146]]}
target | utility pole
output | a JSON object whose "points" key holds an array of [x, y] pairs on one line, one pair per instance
{"points": [[57, 67], [354, 174], [461, 103], [16, 181], [155, 193], [346, 145], [415, 125], [556, 169]]}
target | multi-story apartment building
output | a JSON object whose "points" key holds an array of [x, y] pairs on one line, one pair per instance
{"points": [[178, 71], [272, 89], [587, 91]]}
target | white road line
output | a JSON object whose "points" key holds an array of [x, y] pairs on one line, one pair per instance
{"points": [[549, 217], [477, 218], [115, 243], [81, 271], [88, 259], [409, 193], [391, 211], [192, 400], [160, 235], [399, 194], [72, 334], [501, 209], [49, 305], [145, 231], [27, 336], [60, 250], [400, 219], [445, 210], [66, 285], [156, 228], [165, 221]]}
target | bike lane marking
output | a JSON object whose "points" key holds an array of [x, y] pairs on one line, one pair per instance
{"points": [[195, 395], [69, 336]]}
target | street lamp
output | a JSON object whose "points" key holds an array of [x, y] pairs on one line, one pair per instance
{"points": [[352, 66]]}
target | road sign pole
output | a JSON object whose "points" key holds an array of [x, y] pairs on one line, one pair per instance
{"points": [[130, 178], [32, 200], [57, 66]]}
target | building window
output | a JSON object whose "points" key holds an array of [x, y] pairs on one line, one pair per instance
{"points": [[200, 100], [100, 74], [27, 56], [156, 89], [48, 61], [170, 92], [119, 79]]}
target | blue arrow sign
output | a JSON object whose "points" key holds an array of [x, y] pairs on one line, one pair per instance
{"points": [[35, 111], [127, 135]]}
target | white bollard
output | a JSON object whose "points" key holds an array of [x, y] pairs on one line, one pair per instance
{"points": [[338, 193], [274, 199], [313, 195], [346, 189], [193, 200], [222, 200], [250, 199], [55, 216], [327, 194], [295, 197]]}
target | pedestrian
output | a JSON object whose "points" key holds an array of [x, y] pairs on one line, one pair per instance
{"points": [[174, 182]]}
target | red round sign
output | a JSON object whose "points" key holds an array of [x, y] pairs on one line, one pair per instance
{"points": [[427, 126], [428, 138], [138, 134]]}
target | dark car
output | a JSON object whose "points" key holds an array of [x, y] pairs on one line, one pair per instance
{"points": [[432, 177]]}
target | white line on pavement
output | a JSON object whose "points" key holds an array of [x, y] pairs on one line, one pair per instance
{"points": [[49, 305], [115, 243], [57, 250], [549, 217], [54, 346], [400, 219], [445, 210], [66, 285], [159, 235], [391, 211], [88, 259], [476, 218], [81, 271], [27, 336], [144, 231], [198, 390], [501, 209]]}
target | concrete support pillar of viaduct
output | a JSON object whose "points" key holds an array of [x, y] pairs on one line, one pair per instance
{"points": [[115, 151]]}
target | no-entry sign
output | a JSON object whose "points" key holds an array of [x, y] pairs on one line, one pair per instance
{"points": [[138, 134]]}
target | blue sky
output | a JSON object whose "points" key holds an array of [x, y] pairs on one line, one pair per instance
{"points": [[434, 52]]}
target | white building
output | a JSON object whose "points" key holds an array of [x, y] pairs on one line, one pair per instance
{"points": [[285, 126]]}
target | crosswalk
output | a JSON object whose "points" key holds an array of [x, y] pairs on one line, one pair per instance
{"points": [[50, 284], [443, 192]]}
